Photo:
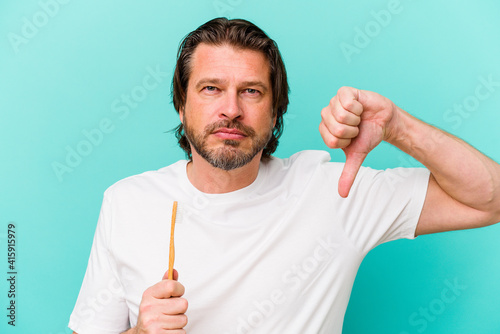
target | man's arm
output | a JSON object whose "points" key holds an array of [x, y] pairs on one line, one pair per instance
{"points": [[464, 187]]}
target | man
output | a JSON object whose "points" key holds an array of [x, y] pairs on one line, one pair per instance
{"points": [[267, 245]]}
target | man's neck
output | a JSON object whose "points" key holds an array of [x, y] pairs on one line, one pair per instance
{"points": [[209, 179]]}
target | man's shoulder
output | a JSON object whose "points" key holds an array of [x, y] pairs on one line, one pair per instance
{"points": [[299, 168], [306, 159], [306, 155], [149, 180]]}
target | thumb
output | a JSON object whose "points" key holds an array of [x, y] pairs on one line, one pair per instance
{"points": [[176, 275], [353, 162]]}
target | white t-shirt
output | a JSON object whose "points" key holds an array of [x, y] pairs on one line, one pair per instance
{"points": [[278, 256]]}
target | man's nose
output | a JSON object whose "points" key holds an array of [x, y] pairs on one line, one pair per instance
{"points": [[231, 106]]}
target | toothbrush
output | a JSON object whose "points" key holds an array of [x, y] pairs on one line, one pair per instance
{"points": [[171, 256]]}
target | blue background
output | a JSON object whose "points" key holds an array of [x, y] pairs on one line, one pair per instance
{"points": [[65, 65]]}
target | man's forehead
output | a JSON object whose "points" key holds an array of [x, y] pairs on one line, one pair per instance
{"points": [[209, 48], [213, 58]]}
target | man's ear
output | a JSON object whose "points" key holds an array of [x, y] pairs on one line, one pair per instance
{"points": [[181, 114]]}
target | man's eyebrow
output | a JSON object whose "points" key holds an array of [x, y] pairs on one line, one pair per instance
{"points": [[209, 81], [217, 81], [260, 84]]}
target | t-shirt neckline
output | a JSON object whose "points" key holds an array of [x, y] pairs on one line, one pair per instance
{"points": [[232, 196]]}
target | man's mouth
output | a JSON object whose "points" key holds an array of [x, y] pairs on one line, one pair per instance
{"points": [[229, 133]]}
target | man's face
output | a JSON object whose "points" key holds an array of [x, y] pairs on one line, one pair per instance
{"points": [[228, 116]]}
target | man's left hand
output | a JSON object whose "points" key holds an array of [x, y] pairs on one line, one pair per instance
{"points": [[356, 121]]}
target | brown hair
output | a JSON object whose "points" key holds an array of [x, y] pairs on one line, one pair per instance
{"points": [[240, 34]]}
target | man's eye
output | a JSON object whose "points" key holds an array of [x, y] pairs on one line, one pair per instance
{"points": [[211, 88], [252, 91]]}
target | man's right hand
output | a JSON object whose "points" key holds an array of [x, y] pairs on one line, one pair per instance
{"points": [[162, 310]]}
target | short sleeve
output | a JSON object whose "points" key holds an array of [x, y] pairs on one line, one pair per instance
{"points": [[101, 307], [384, 205]]}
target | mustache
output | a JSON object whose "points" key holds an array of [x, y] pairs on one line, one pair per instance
{"points": [[229, 124]]}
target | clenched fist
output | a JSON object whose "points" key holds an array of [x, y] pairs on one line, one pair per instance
{"points": [[162, 308]]}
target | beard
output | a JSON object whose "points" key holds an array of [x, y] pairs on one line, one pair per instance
{"points": [[229, 156]]}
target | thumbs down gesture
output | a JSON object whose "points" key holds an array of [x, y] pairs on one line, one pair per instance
{"points": [[356, 121]]}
